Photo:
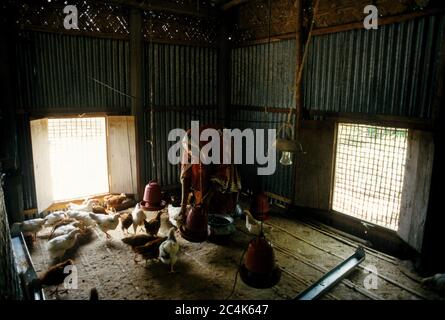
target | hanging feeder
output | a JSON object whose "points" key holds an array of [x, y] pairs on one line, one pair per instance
{"points": [[196, 227], [259, 269]]}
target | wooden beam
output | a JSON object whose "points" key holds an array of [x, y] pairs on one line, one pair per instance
{"points": [[381, 21], [159, 5], [349, 26], [233, 4], [137, 109]]}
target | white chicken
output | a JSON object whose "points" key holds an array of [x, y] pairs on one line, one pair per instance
{"points": [[53, 218], [173, 215], [86, 206], [85, 218], [65, 229], [168, 250], [106, 222], [435, 283], [138, 217], [58, 246], [32, 226], [253, 225]]}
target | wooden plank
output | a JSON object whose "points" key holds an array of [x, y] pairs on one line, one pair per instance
{"points": [[41, 160], [121, 147], [416, 188], [136, 92]]}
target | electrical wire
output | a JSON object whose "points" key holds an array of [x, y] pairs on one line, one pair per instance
{"points": [[236, 274]]}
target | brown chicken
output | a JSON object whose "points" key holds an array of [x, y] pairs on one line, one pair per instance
{"points": [[94, 295], [112, 201], [126, 222], [152, 226], [99, 209], [55, 275], [137, 241], [150, 250]]}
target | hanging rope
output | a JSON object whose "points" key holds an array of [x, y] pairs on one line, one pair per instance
{"points": [[299, 71]]}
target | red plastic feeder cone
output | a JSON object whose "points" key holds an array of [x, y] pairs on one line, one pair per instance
{"points": [[196, 227], [259, 207], [259, 269]]}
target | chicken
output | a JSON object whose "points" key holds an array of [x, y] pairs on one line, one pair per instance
{"points": [[85, 218], [435, 283], [94, 295], [168, 250], [253, 225], [137, 241], [58, 246], [55, 275], [106, 222], [99, 209], [32, 226], [62, 230], [53, 218], [112, 201], [152, 226], [86, 206], [63, 222], [126, 221], [150, 250], [173, 215], [138, 216]]}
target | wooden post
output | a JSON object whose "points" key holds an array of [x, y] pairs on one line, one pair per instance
{"points": [[298, 87], [298, 65], [224, 74], [137, 107]]}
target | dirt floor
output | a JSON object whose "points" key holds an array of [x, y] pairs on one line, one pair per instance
{"points": [[206, 270]]}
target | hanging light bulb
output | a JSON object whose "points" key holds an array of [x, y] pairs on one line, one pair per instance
{"points": [[286, 158]]}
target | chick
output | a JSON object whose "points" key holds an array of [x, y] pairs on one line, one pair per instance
{"points": [[58, 246], [105, 222], [152, 226], [99, 209], [138, 216], [126, 222], [168, 250], [32, 226], [150, 250], [55, 275], [137, 241], [55, 217]]}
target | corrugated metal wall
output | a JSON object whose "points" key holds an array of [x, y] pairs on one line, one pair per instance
{"points": [[56, 72], [281, 182], [250, 75], [392, 70], [183, 80]]}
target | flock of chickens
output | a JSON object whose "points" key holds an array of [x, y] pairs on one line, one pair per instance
{"points": [[78, 220]]}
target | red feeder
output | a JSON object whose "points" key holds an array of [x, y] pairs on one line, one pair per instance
{"points": [[259, 269], [152, 197], [259, 207], [196, 227]]}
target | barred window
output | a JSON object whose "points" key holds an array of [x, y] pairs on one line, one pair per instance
{"points": [[369, 173]]}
